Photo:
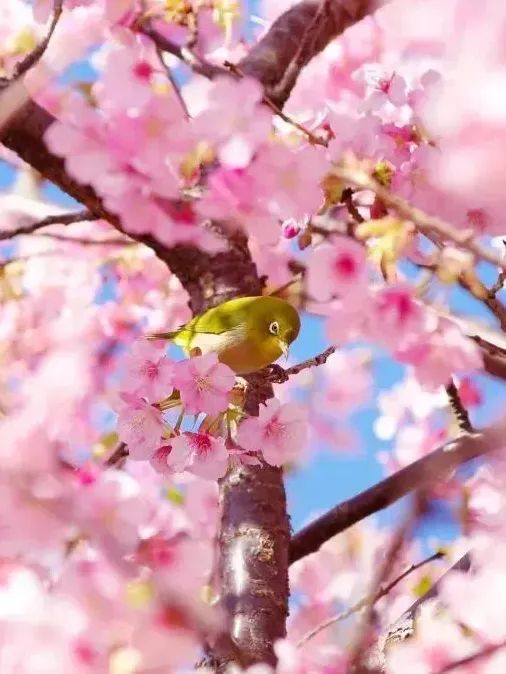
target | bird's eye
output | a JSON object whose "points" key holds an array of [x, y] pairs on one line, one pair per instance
{"points": [[274, 328]]}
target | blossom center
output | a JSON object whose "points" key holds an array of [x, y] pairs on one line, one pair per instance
{"points": [[345, 265]]}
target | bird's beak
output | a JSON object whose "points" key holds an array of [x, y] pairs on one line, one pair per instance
{"points": [[284, 348]]}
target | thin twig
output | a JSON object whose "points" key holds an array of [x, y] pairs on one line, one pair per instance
{"points": [[120, 453], [458, 408], [62, 219], [312, 138], [399, 538], [85, 241], [173, 82], [498, 285], [279, 375], [362, 603], [184, 54], [425, 223], [347, 199], [36, 54], [424, 472], [485, 652]]}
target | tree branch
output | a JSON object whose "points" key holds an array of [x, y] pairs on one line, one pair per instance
{"points": [[460, 412], [422, 473], [425, 223], [62, 219], [485, 652], [295, 38], [36, 54], [362, 603]]}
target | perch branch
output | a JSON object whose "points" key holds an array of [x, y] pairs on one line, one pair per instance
{"points": [[422, 473]]}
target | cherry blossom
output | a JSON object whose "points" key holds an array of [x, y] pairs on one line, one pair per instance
{"points": [[140, 426], [338, 268], [279, 432], [149, 373], [200, 453], [204, 384], [207, 191]]}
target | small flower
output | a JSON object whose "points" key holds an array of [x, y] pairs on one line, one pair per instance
{"points": [[204, 384], [279, 432], [200, 453], [149, 373], [140, 427], [338, 268]]}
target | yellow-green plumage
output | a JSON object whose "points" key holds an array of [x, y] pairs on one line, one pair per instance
{"points": [[247, 333]]}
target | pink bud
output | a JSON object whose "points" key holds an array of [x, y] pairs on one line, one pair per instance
{"points": [[290, 229]]}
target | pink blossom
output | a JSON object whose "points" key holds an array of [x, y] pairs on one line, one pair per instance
{"points": [[440, 352], [279, 432], [337, 268], [291, 179], [140, 426], [200, 453], [149, 373], [204, 384], [234, 120], [386, 88], [348, 383], [113, 509], [396, 316], [125, 81], [233, 195]]}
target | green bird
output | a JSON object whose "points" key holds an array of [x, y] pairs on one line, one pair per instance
{"points": [[247, 333]]}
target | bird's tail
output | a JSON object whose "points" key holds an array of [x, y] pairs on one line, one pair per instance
{"points": [[162, 335]]}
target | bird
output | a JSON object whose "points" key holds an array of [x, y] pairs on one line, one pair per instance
{"points": [[246, 333]]}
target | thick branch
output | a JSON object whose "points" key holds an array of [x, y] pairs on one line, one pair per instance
{"points": [[295, 38], [421, 473]]}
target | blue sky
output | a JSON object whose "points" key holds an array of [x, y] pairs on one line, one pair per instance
{"points": [[330, 477]]}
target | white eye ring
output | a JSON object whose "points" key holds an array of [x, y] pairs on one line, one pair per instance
{"points": [[274, 328]]}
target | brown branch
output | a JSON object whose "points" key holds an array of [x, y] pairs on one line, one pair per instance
{"points": [[383, 590], [295, 38], [87, 241], [425, 223], [494, 358], [62, 219], [184, 54], [359, 649], [460, 412], [485, 652], [278, 375], [120, 453], [36, 54], [311, 137], [403, 627], [422, 473], [347, 200]]}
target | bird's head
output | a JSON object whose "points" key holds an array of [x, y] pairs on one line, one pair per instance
{"points": [[277, 324]]}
